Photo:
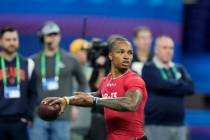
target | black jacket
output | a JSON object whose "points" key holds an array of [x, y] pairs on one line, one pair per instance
{"points": [[24, 106], [165, 105]]}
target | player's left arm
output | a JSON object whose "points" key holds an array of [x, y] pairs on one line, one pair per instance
{"points": [[128, 103]]}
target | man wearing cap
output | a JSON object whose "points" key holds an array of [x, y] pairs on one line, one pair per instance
{"points": [[55, 69], [79, 48]]}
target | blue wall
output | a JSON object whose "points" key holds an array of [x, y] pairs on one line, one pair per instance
{"points": [[103, 17]]}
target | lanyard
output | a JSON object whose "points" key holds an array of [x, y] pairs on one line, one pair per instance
{"points": [[57, 65], [4, 70], [165, 76]]}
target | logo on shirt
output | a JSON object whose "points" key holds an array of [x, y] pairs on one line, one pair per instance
{"points": [[12, 74], [111, 96], [111, 84]]}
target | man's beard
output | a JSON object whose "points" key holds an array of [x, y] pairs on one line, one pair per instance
{"points": [[10, 52]]}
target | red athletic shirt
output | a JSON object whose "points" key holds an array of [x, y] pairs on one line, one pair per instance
{"points": [[123, 125]]}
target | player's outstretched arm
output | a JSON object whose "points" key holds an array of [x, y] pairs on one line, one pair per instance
{"points": [[79, 99], [128, 103]]}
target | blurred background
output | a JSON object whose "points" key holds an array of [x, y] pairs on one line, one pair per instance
{"points": [[186, 21]]}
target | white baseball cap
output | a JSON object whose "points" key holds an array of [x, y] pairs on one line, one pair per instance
{"points": [[49, 28]]}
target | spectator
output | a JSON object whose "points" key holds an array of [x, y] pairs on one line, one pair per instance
{"points": [[17, 93], [167, 84], [142, 39], [55, 69], [79, 48], [100, 69]]}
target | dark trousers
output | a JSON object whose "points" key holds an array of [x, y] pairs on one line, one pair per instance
{"points": [[13, 130], [97, 129]]}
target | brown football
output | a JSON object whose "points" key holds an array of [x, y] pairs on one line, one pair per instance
{"points": [[48, 112]]}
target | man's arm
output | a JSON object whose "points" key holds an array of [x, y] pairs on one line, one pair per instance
{"points": [[155, 82], [169, 87], [128, 103], [95, 94], [32, 94], [187, 82]]}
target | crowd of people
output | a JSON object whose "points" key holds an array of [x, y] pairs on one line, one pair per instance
{"points": [[134, 95]]}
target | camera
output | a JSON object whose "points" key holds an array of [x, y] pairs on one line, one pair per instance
{"points": [[98, 49]]}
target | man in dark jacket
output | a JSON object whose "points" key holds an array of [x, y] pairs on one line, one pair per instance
{"points": [[17, 93], [167, 83]]}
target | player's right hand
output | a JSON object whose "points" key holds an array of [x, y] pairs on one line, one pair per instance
{"points": [[55, 100]]}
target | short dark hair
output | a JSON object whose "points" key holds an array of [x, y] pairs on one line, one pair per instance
{"points": [[113, 37], [7, 29], [113, 40], [140, 29]]}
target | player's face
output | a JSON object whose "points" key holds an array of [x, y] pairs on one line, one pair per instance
{"points": [[165, 50], [143, 40], [10, 42], [121, 56], [52, 40]]}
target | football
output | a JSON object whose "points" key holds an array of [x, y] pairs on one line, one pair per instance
{"points": [[48, 112]]}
